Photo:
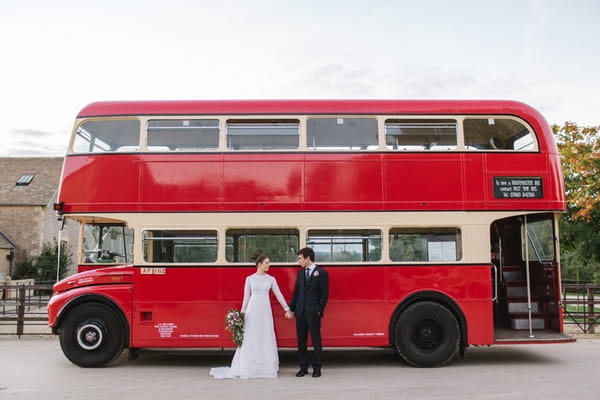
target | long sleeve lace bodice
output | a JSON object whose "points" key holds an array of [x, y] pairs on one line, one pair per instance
{"points": [[262, 283]]}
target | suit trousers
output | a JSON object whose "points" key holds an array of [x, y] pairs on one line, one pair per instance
{"points": [[309, 321]]}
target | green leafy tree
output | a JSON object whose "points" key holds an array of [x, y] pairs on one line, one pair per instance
{"points": [[48, 258], [24, 268], [579, 148], [580, 249]]}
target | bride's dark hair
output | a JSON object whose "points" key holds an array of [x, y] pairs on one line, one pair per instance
{"points": [[259, 258]]}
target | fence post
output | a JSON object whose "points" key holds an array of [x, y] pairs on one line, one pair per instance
{"points": [[21, 311], [590, 310]]}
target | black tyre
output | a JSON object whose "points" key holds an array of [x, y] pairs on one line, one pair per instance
{"points": [[427, 335], [92, 335]]}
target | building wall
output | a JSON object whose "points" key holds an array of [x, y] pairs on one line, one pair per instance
{"points": [[49, 224], [30, 227], [22, 224], [70, 234], [4, 264]]}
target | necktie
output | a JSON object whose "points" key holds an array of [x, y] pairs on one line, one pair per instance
{"points": [[307, 275]]}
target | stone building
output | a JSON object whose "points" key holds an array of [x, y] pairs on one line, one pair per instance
{"points": [[28, 190], [7, 255]]}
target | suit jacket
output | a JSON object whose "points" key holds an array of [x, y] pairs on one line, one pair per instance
{"points": [[311, 295]]}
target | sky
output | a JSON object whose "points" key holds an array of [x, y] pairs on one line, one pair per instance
{"points": [[58, 56]]}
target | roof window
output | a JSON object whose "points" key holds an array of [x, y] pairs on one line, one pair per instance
{"points": [[24, 180]]}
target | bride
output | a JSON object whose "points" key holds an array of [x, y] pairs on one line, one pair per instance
{"points": [[257, 356]]}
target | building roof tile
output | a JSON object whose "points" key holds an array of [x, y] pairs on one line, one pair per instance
{"points": [[40, 190]]}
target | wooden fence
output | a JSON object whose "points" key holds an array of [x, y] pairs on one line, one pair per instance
{"points": [[581, 304], [23, 308]]}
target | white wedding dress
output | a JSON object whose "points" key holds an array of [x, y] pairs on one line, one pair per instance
{"points": [[257, 357]]}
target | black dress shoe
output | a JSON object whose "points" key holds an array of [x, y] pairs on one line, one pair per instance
{"points": [[302, 372], [316, 372]]}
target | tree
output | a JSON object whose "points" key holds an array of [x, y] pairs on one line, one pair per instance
{"points": [[43, 268], [579, 149], [47, 260], [24, 267], [580, 244]]}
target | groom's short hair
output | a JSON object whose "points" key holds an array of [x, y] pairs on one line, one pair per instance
{"points": [[307, 252]]}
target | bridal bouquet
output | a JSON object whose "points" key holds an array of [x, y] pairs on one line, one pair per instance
{"points": [[234, 323]]}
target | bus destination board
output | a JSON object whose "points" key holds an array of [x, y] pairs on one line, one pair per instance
{"points": [[518, 187]]}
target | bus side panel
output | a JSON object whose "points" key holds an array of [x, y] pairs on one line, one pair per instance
{"points": [[555, 183], [256, 182], [100, 183], [343, 182], [178, 307], [474, 181], [428, 181], [356, 313], [186, 306], [470, 287], [189, 179], [332, 181], [519, 165]]}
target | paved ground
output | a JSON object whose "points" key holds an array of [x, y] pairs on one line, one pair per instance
{"points": [[34, 368]]}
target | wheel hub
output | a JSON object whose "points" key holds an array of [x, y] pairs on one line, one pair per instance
{"points": [[427, 335], [90, 336]]}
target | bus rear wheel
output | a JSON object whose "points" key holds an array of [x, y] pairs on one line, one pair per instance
{"points": [[92, 335], [427, 334]]}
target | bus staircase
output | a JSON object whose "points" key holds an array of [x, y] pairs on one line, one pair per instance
{"points": [[515, 324], [517, 305]]}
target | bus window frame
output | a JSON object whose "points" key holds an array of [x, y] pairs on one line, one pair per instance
{"points": [[455, 121], [128, 247], [226, 231], [353, 230], [147, 128], [79, 124], [535, 146], [143, 239], [534, 219], [303, 135]]}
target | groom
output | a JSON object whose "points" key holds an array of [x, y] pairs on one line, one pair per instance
{"points": [[308, 302]]}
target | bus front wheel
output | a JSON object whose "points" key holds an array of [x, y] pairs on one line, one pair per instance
{"points": [[92, 335], [427, 334]]}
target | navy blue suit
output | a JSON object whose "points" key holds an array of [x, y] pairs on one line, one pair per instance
{"points": [[308, 304]]}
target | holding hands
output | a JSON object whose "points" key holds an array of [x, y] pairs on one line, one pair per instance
{"points": [[289, 314]]}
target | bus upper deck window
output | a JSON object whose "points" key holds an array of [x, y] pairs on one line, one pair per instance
{"points": [[493, 133], [99, 136], [342, 133], [420, 134], [263, 134], [183, 134]]}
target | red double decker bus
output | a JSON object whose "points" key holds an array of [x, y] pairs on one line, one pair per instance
{"points": [[436, 220]]}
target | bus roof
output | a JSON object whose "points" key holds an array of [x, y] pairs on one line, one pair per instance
{"points": [[216, 107]]}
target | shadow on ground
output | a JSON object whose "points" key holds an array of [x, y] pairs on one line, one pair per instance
{"points": [[338, 358]]}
